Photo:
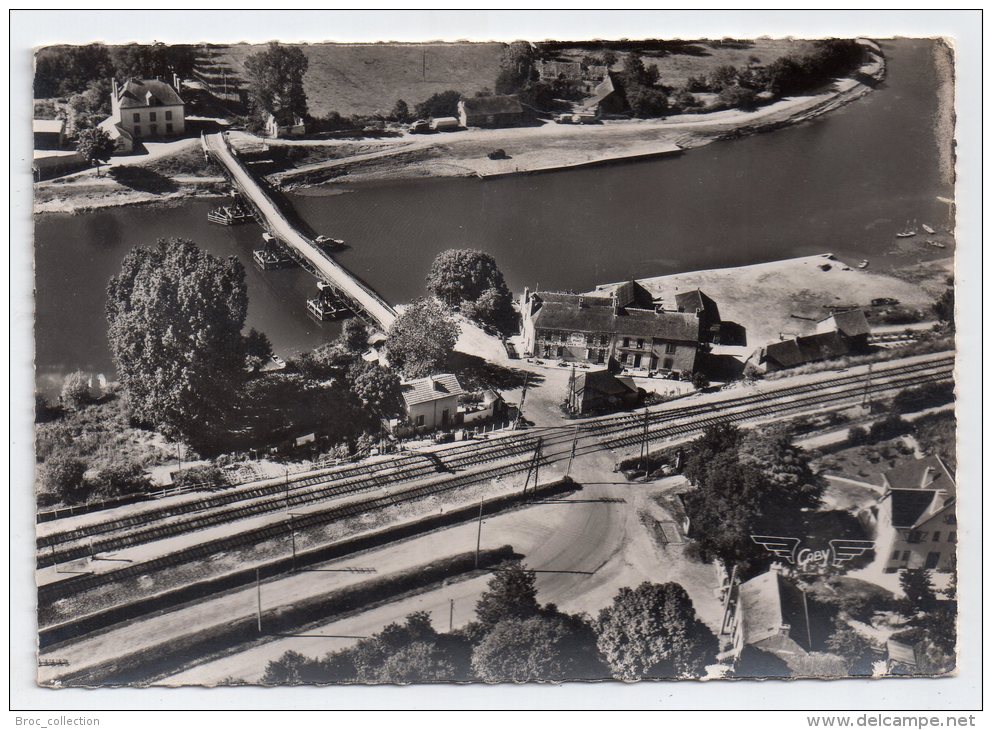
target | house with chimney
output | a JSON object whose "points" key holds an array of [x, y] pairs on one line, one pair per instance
{"points": [[144, 109], [432, 402], [914, 522], [624, 324]]}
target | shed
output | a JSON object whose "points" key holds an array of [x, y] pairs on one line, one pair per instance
{"points": [[444, 124], [490, 111]]}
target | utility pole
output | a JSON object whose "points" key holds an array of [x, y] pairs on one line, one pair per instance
{"points": [[571, 392], [534, 467], [571, 455], [258, 593], [866, 400], [292, 536], [287, 487], [645, 450], [451, 615], [478, 539], [523, 396]]}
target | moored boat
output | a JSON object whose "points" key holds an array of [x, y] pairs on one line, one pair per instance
{"points": [[928, 229], [863, 264], [936, 244]]}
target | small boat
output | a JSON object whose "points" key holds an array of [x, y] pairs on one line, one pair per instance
{"points": [[229, 215], [908, 232], [278, 362], [936, 244], [928, 229], [863, 264], [329, 242]]}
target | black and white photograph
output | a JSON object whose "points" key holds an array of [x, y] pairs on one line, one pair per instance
{"points": [[585, 358]]}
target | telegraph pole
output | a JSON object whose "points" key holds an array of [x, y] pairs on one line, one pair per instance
{"points": [[645, 450], [478, 542], [523, 396], [287, 487], [292, 536], [866, 400], [451, 614], [575, 439], [258, 593]]}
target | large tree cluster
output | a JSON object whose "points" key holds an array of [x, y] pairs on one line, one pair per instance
{"points": [[175, 315], [650, 632], [746, 484], [421, 339], [471, 280]]}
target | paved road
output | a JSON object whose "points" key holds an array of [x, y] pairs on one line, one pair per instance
{"points": [[336, 274]]}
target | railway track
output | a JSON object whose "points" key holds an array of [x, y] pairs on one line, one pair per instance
{"points": [[591, 435]]}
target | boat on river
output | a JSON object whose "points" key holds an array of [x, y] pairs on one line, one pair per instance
{"points": [[229, 215], [328, 242], [936, 244], [928, 229], [908, 232], [863, 264]]}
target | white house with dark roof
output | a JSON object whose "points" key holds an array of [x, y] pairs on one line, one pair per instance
{"points": [[146, 108], [914, 523], [623, 324], [432, 402]]}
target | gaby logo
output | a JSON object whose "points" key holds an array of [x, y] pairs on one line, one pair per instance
{"points": [[838, 552]]}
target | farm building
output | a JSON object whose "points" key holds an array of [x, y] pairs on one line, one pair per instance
{"points": [[490, 111]]}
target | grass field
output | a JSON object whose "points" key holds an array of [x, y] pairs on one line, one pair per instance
{"points": [[702, 57], [366, 79]]}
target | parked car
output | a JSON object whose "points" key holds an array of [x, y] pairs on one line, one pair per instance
{"points": [[420, 127], [444, 437], [499, 154]]}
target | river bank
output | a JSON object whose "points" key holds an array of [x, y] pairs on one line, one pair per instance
{"points": [[547, 147]]}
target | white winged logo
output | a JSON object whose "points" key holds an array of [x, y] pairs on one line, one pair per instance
{"points": [[787, 548]]}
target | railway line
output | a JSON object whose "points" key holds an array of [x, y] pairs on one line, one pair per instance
{"points": [[513, 453]]}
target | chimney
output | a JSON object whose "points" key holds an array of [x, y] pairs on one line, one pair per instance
{"points": [[114, 89]]}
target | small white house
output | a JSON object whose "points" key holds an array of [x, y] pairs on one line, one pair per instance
{"points": [[445, 124], [275, 130], [432, 402]]}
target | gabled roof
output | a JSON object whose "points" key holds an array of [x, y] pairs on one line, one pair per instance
{"points": [[695, 301], [909, 506], [134, 93], [771, 606], [492, 105], [675, 326], [605, 382], [810, 348], [434, 387], [926, 473], [851, 323]]}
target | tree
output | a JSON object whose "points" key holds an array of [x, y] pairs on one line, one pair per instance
{"points": [[442, 104], [784, 465], [716, 439], [401, 112], [65, 70], [354, 337], [739, 97], [723, 77], [421, 339], [152, 61], [464, 274], [920, 596], [63, 476], [95, 146], [943, 308], [175, 314], [87, 109], [258, 349], [635, 73], [653, 632], [555, 648], [646, 102], [275, 82], [511, 594], [75, 391], [418, 662], [516, 67], [378, 388], [857, 651]]}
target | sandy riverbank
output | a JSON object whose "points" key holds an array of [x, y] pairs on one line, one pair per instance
{"points": [[549, 146], [790, 296]]}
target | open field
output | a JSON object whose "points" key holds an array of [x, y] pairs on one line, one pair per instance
{"points": [[370, 78], [700, 58]]}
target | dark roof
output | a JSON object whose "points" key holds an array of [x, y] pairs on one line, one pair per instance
{"points": [[574, 299], [908, 506], [605, 382], [605, 87], [676, 326], [927, 473], [769, 603], [696, 301], [431, 388], [134, 93], [633, 292], [492, 105], [851, 323], [810, 348]]}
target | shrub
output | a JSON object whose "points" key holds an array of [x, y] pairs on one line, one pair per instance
{"points": [[925, 396], [62, 476], [205, 474], [75, 391], [857, 436], [887, 428], [737, 97], [121, 478]]}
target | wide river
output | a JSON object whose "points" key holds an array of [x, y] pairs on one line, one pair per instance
{"points": [[845, 183]]}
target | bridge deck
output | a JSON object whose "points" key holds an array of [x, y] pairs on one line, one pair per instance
{"points": [[279, 226]]}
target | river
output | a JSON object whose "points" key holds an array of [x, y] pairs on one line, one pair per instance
{"points": [[844, 183]]}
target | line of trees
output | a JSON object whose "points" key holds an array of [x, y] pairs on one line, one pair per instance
{"points": [[65, 70], [649, 632]]}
